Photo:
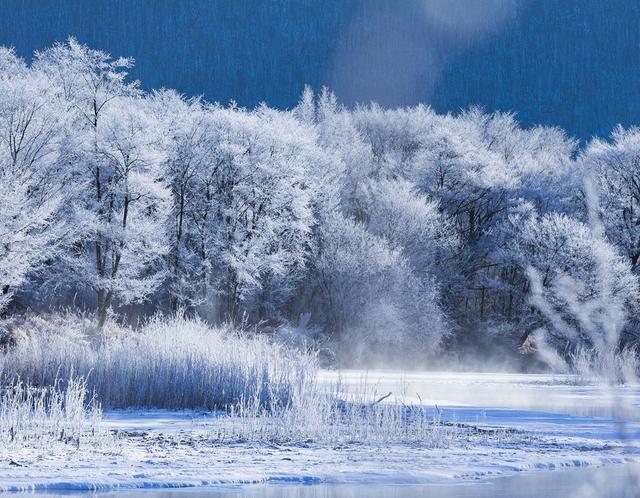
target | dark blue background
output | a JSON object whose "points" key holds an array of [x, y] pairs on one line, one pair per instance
{"points": [[572, 63]]}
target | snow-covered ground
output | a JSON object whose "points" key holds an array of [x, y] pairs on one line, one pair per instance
{"points": [[499, 424]]}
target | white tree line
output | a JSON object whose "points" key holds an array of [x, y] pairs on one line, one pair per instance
{"points": [[391, 227]]}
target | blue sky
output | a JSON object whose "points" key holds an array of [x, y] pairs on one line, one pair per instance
{"points": [[571, 63]]}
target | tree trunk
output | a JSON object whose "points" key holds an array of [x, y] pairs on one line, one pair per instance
{"points": [[101, 308]]}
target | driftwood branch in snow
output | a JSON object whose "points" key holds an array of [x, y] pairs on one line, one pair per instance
{"points": [[382, 398]]}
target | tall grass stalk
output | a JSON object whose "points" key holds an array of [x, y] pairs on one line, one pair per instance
{"points": [[32, 417]]}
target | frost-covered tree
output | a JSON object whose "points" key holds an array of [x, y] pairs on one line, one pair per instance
{"points": [[396, 211], [131, 227], [188, 145], [476, 168], [371, 297], [33, 180], [122, 200], [584, 290], [425, 237], [362, 199], [251, 213], [568, 257], [348, 157], [616, 166]]}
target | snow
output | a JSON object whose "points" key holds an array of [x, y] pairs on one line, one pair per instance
{"points": [[543, 423]]}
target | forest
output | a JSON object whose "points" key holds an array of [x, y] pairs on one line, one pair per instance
{"points": [[371, 234]]}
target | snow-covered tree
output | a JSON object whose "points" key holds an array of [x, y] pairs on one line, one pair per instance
{"points": [[188, 144], [33, 180], [251, 215], [396, 211], [370, 295], [122, 200], [349, 160], [568, 258], [128, 231], [584, 291], [616, 166]]}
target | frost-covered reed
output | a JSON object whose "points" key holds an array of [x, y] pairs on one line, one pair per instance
{"points": [[331, 413], [168, 363], [35, 417], [335, 418], [268, 392]]}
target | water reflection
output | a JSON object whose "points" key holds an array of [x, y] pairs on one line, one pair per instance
{"points": [[618, 481]]}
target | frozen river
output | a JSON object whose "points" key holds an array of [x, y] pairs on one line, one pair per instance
{"points": [[554, 435], [561, 394], [543, 404]]}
